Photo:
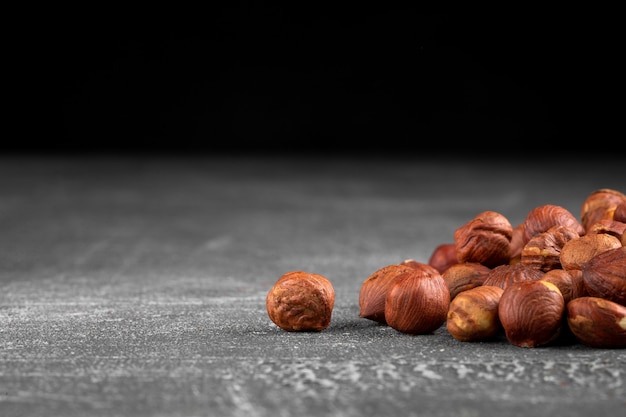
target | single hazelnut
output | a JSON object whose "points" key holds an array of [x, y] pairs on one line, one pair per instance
{"points": [[465, 276], [619, 215], [597, 322], [531, 313], [544, 249], [570, 283], [517, 243], [576, 252], [542, 218], [473, 314], [374, 290], [600, 204], [301, 301], [504, 275], [485, 239], [604, 275], [443, 257], [611, 227], [417, 302]]}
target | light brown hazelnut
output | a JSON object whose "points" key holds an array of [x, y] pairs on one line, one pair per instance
{"points": [[374, 290], [443, 257], [465, 276], [597, 322], [301, 301], [600, 204], [576, 252], [544, 249], [531, 313], [417, 302], [542, 218], [604, 275], [473, 314], [570, 283], [504, 275], [485, 239]]}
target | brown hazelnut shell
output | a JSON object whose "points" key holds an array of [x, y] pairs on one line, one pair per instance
{"points": [[570, 283], [600, 204], [465, 276], [485, 239], [473, 314], [619, 215], [417, 302], [597, 322], [604, 276], [517, 243], [301, 301], [531, 313], [542, 218], [374, 290], [504, 275], [612, 227], [443, 257], [576, 252], [544, 249]]}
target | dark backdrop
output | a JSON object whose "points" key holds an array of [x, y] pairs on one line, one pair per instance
{"points": [[255, 79]]}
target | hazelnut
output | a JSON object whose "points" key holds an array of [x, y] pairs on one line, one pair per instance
{"points": [[531, 313], [570, 283], [600, 204], [417, 302], [604, 275], [504, 275], [517, 243], [443, 257], [597, 322], [576, 252], [612, 227], [473, 314], [544, 249], [619, 215], [485, 239], [465, 276], [301, 301], [542, 218], [374, 290]]}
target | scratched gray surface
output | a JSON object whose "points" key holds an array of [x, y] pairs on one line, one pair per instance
{"points": [[135, 287]]}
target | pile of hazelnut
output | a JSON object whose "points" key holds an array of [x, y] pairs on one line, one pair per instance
{"points": [[552, 276]]}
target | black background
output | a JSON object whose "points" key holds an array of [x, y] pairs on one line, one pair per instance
{"points": [[254, 79]]}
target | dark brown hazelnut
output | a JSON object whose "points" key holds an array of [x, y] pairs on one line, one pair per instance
{"points": [[374, 290], [604, 275], [443, 257], [531, 313], [504, 275], [417, 302], [544, 249], [301, 301], [597, 322], [465, 276], [542, 218], [485, 239]]}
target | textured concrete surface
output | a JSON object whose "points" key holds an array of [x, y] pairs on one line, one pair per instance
{"points": [[135, 287]]}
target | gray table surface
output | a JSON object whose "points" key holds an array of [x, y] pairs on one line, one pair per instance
{"points": [[135, 286]]}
